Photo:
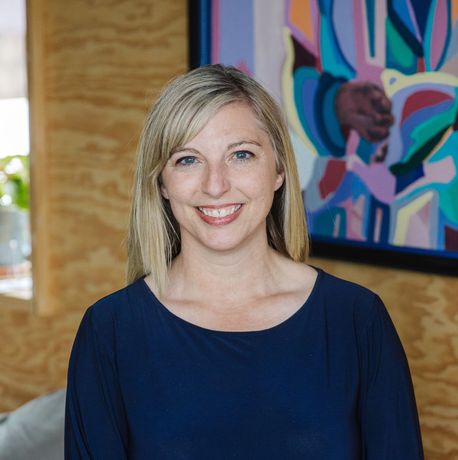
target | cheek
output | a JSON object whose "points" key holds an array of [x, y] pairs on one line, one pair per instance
{"points": [[260, 189], [179, 187], [264, 183]]}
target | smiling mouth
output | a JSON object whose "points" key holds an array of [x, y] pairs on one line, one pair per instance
{"points": [[219, 212]]}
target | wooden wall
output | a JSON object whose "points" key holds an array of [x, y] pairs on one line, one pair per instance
{"points": [[95, 66], [94, 69]]}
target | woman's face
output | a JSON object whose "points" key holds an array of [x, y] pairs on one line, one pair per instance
{"points": [[221, 184]]}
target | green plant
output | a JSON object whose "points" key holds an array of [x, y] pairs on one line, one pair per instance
{"points": [[14, 181]]}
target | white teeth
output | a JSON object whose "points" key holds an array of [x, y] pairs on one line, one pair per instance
{"points": [[221, 212]]}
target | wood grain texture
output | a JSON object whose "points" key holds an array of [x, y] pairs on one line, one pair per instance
{"points": [[99, 66], [102, 63], [39, 198], [94, 69], [34, 354]]}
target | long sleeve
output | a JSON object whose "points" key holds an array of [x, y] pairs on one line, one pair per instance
{"points": [[95, 423], [388, 415]]}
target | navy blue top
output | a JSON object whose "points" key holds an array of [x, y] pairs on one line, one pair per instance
{"points": [[330, 382]]}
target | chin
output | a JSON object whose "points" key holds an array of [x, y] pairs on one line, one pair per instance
{"points": [[222, 246], [222, 242]]}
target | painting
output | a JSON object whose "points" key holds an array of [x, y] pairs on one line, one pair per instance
{"points": [[369, 89]]}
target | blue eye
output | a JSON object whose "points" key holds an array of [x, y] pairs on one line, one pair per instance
{"points": [[185, 161], [243, 155]]}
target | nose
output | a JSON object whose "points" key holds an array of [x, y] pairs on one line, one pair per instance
{"points": [[215, 181]]}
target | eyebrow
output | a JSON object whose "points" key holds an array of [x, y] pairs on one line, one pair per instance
{"points": [[229, 147], [238, 144]]}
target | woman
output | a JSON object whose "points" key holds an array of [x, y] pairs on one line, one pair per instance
{"points": [[225, 343]]}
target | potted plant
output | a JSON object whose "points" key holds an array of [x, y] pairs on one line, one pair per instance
{"points": [[14, 210]]}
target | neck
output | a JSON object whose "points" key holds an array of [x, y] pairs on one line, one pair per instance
{"points": [[231, 277]]}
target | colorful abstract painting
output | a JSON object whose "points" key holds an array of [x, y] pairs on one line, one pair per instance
{"points": [[369, 88]]}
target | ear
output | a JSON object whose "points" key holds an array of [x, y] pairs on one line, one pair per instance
{"points": [[163, 189], [164, 192], [279, 180]]}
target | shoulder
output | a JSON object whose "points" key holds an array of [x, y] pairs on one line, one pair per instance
{"points": [[110, 311], [110, 324], [340, 286], [349, 299], [109, 305]]}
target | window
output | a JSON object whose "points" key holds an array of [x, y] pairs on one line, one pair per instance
{"points": [[15, 247]]}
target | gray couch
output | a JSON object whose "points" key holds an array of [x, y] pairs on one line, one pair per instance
{"points": [[34, 431]]}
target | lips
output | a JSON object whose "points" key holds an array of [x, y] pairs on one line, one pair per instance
{"points": [[220, 212], [219, 215]]}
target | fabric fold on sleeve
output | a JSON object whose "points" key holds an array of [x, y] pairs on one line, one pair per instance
{"points": [[95, 421], [388, 413]]}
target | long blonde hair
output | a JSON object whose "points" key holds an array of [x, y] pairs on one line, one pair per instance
{"points": [[183, 108]]}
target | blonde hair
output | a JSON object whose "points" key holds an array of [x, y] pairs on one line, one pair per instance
{"points": [[183, 108]]}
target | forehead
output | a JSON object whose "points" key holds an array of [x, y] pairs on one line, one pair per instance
{"points": [[232, 122]]}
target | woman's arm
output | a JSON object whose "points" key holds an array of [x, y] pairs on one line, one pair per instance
{"points": [[95, 422], [388, 413]]}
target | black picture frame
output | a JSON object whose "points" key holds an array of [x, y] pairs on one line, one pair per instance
{"points": [[199, 52]]}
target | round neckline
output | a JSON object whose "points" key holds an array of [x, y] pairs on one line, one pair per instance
{"points": [[149, 292]]}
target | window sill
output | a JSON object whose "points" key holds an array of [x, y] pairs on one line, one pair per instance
{"points": [[16, 293], [16, 301]]}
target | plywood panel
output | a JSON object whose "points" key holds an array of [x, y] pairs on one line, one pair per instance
{"points": [[99, 66], [34, 354]]}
